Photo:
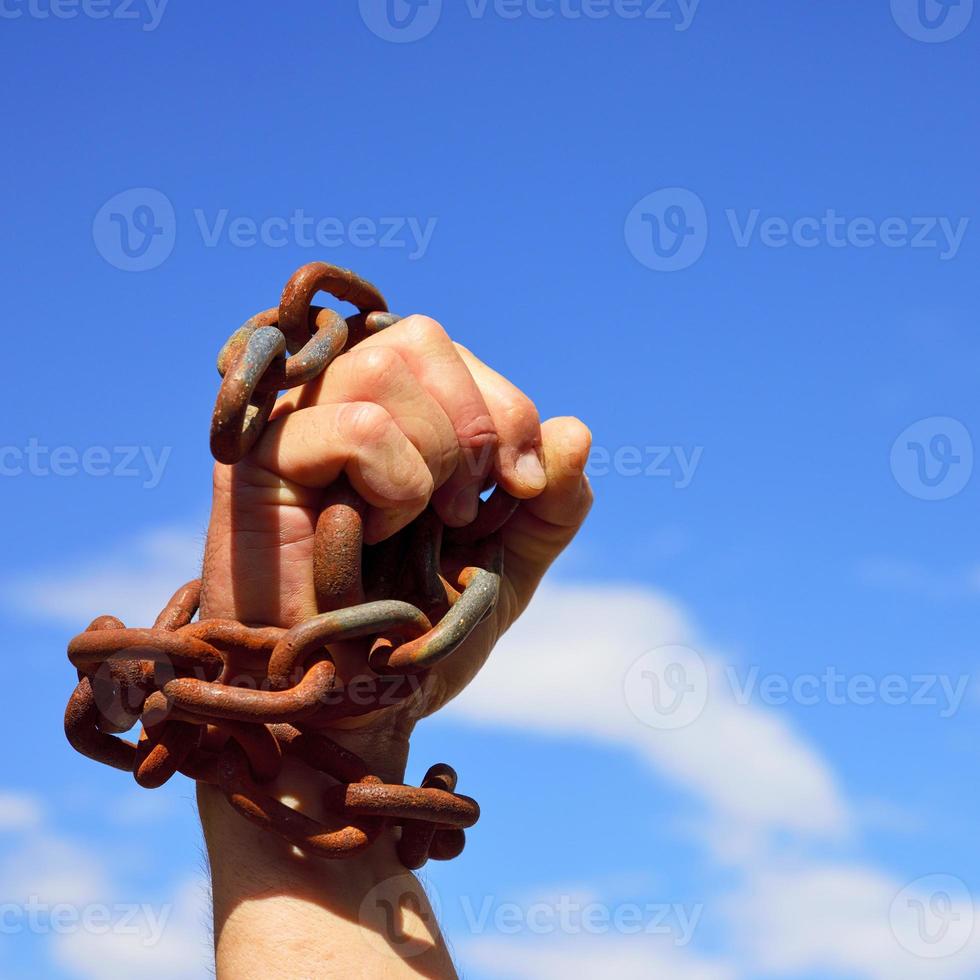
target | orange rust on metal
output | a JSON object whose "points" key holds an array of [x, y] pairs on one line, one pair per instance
{"points": [[306, 282], [266, 811], [338, 544], [417, 837], [223, 702], [179, 611], [258, 707], [404, 803], [367, 619]]}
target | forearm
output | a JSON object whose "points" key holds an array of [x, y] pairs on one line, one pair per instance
{"points": [[279, 913]]}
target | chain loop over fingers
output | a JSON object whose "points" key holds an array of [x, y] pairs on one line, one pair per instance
{"points": [[224, 702]]}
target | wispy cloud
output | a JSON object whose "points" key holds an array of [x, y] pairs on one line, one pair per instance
{"points": [[914, 578], [72, 900], [132, 582], [20, 811], [578, 643]]}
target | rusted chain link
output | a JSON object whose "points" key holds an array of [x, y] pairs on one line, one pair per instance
{"points": [[225, 703]]}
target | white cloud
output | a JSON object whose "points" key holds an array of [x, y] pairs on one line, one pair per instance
{"points": [[132, 583], [163, 942], [20, 811], [50, 869], [853, 920], [591, 958], [561, 671], [901, 575]]}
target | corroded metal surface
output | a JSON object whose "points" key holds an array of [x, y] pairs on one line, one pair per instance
{"points": [[224, 702]]}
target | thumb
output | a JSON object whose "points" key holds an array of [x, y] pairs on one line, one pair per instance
{"points": [[542, 527]]}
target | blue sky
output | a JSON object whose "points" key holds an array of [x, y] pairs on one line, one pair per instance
{"points": [[739, 241]]}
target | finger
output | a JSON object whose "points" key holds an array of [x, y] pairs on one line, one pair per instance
{"points": [[517, 466], [380, 375], [313, 446], [433, 359], [542, 527]]}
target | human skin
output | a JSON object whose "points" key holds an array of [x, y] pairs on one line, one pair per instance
{"points": [[409, 418]]}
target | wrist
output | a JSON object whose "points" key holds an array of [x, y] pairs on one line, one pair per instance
{"points": [[280, 912]]}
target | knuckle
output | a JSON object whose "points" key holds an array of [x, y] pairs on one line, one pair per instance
{"points": [[445, 462], [519, 414], [423, 331], [365, 422], [373, 363], [478, 434]]}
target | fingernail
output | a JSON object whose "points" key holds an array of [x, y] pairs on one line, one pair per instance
{"points": [[530, 471], [465, 504]]}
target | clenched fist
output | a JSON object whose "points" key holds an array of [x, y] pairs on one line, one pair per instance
{"points": [[410, 419]]}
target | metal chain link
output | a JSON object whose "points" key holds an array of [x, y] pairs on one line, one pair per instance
{"points": [[224, 703]]}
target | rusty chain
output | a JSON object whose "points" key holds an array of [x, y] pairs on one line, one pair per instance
{"points": [[223, 702]]}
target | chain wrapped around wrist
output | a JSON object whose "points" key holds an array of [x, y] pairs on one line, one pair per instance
{"points": [[224, 702]]}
